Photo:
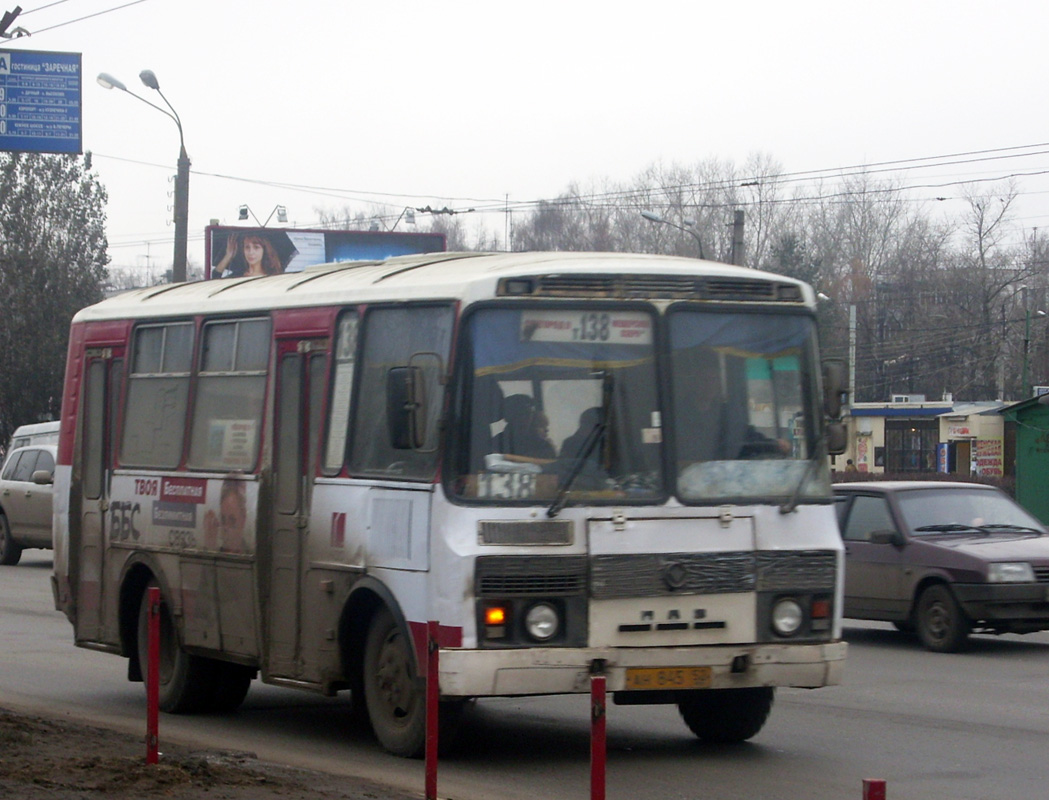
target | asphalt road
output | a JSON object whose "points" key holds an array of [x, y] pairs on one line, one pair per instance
{"points": [[935, 727]]}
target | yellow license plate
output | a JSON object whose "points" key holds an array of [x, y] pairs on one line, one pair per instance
{"points": [[668, 678]]}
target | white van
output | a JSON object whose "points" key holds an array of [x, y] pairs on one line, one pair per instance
{"points": [[38, 433]]}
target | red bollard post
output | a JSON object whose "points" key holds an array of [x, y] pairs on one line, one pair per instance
{"points": [[433, 700], [873, 789], [597, 733], [153, 677]]}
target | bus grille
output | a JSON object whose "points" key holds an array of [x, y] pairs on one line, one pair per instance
{"points": [[796, 570], [681, 287], [660, 574], [516, 576], [523, 532]]}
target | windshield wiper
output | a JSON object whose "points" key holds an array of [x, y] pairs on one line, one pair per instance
{"points": [[1001, 526], [947, 527], [585, 449], [817, 456]]}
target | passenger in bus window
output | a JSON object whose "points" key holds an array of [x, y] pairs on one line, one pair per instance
{"points": [[722, 429], [252, 256], [527, 430], [225, 531], [572, 447]]}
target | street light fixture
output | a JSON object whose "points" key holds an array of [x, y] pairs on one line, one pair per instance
{"points": [[149, 79], [689, 227]]}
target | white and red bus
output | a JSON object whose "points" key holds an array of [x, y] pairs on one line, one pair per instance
{"points": [[570, 461]]}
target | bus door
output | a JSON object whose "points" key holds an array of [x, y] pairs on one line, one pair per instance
{"points": [[301, 365], [97, 422]]}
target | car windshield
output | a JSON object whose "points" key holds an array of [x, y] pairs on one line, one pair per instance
{"points": [[556, 397], [743, 406], [931, 511]]}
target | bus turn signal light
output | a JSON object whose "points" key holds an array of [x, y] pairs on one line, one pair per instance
{"points": [[495, 622], [495, 615]]}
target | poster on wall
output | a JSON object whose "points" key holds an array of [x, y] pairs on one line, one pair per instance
{"points": [[987, 458], [943, 457]]}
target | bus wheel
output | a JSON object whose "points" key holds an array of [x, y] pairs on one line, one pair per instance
{"points": [[232, 682], [726, 715], [187, 683], [10, 553], [394, 694]]}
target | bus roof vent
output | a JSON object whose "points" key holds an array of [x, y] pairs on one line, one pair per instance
{"points": [[658, 286], [577, 285], [679, 287], [739, 289], [612, 286]]}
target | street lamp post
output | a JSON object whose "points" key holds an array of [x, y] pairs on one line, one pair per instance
{"points": [[178, 267], [688, 227], [1025, 389]]}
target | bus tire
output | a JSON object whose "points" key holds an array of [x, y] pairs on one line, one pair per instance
{"points": [[394, 693], [187, 682], [726, 716], [10, 553], [231, 684]]}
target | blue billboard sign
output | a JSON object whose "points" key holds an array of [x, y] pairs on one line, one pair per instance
{"points": [[40, 102]]}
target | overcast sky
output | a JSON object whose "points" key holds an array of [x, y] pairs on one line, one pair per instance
{"points": [[464, 103]]}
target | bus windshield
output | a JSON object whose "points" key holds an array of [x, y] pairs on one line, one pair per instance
{"points": [[744, 407], [554, 395], [559, 396]]}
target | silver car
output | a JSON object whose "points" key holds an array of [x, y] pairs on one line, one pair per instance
{"points": [[25, 501]]}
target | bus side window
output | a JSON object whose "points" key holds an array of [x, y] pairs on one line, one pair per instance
{"points": [[341, 394], [391, 337], [231, 387], [157, 395]]}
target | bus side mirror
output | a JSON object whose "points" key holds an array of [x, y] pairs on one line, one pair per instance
{"points": [[405, 408], [837, 438], [835, 387]]}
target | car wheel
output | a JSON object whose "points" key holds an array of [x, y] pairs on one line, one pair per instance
{"points": [[726, 715], [186, 683], [10, 553], [942, 625]]}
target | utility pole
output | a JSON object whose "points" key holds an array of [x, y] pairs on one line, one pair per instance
{"points": [[852, 353], [737, 238], [179, 270]]}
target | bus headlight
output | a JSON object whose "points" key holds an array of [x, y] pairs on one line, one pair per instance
{"points": [[542, 622], [787, 617]]}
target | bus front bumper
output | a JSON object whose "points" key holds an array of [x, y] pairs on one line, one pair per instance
{"points": [[535, 671]]}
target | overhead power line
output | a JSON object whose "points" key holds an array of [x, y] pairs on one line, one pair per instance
{"points": [[78, 19]]}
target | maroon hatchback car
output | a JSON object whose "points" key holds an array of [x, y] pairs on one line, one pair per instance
{"points": [[943, 560]]}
